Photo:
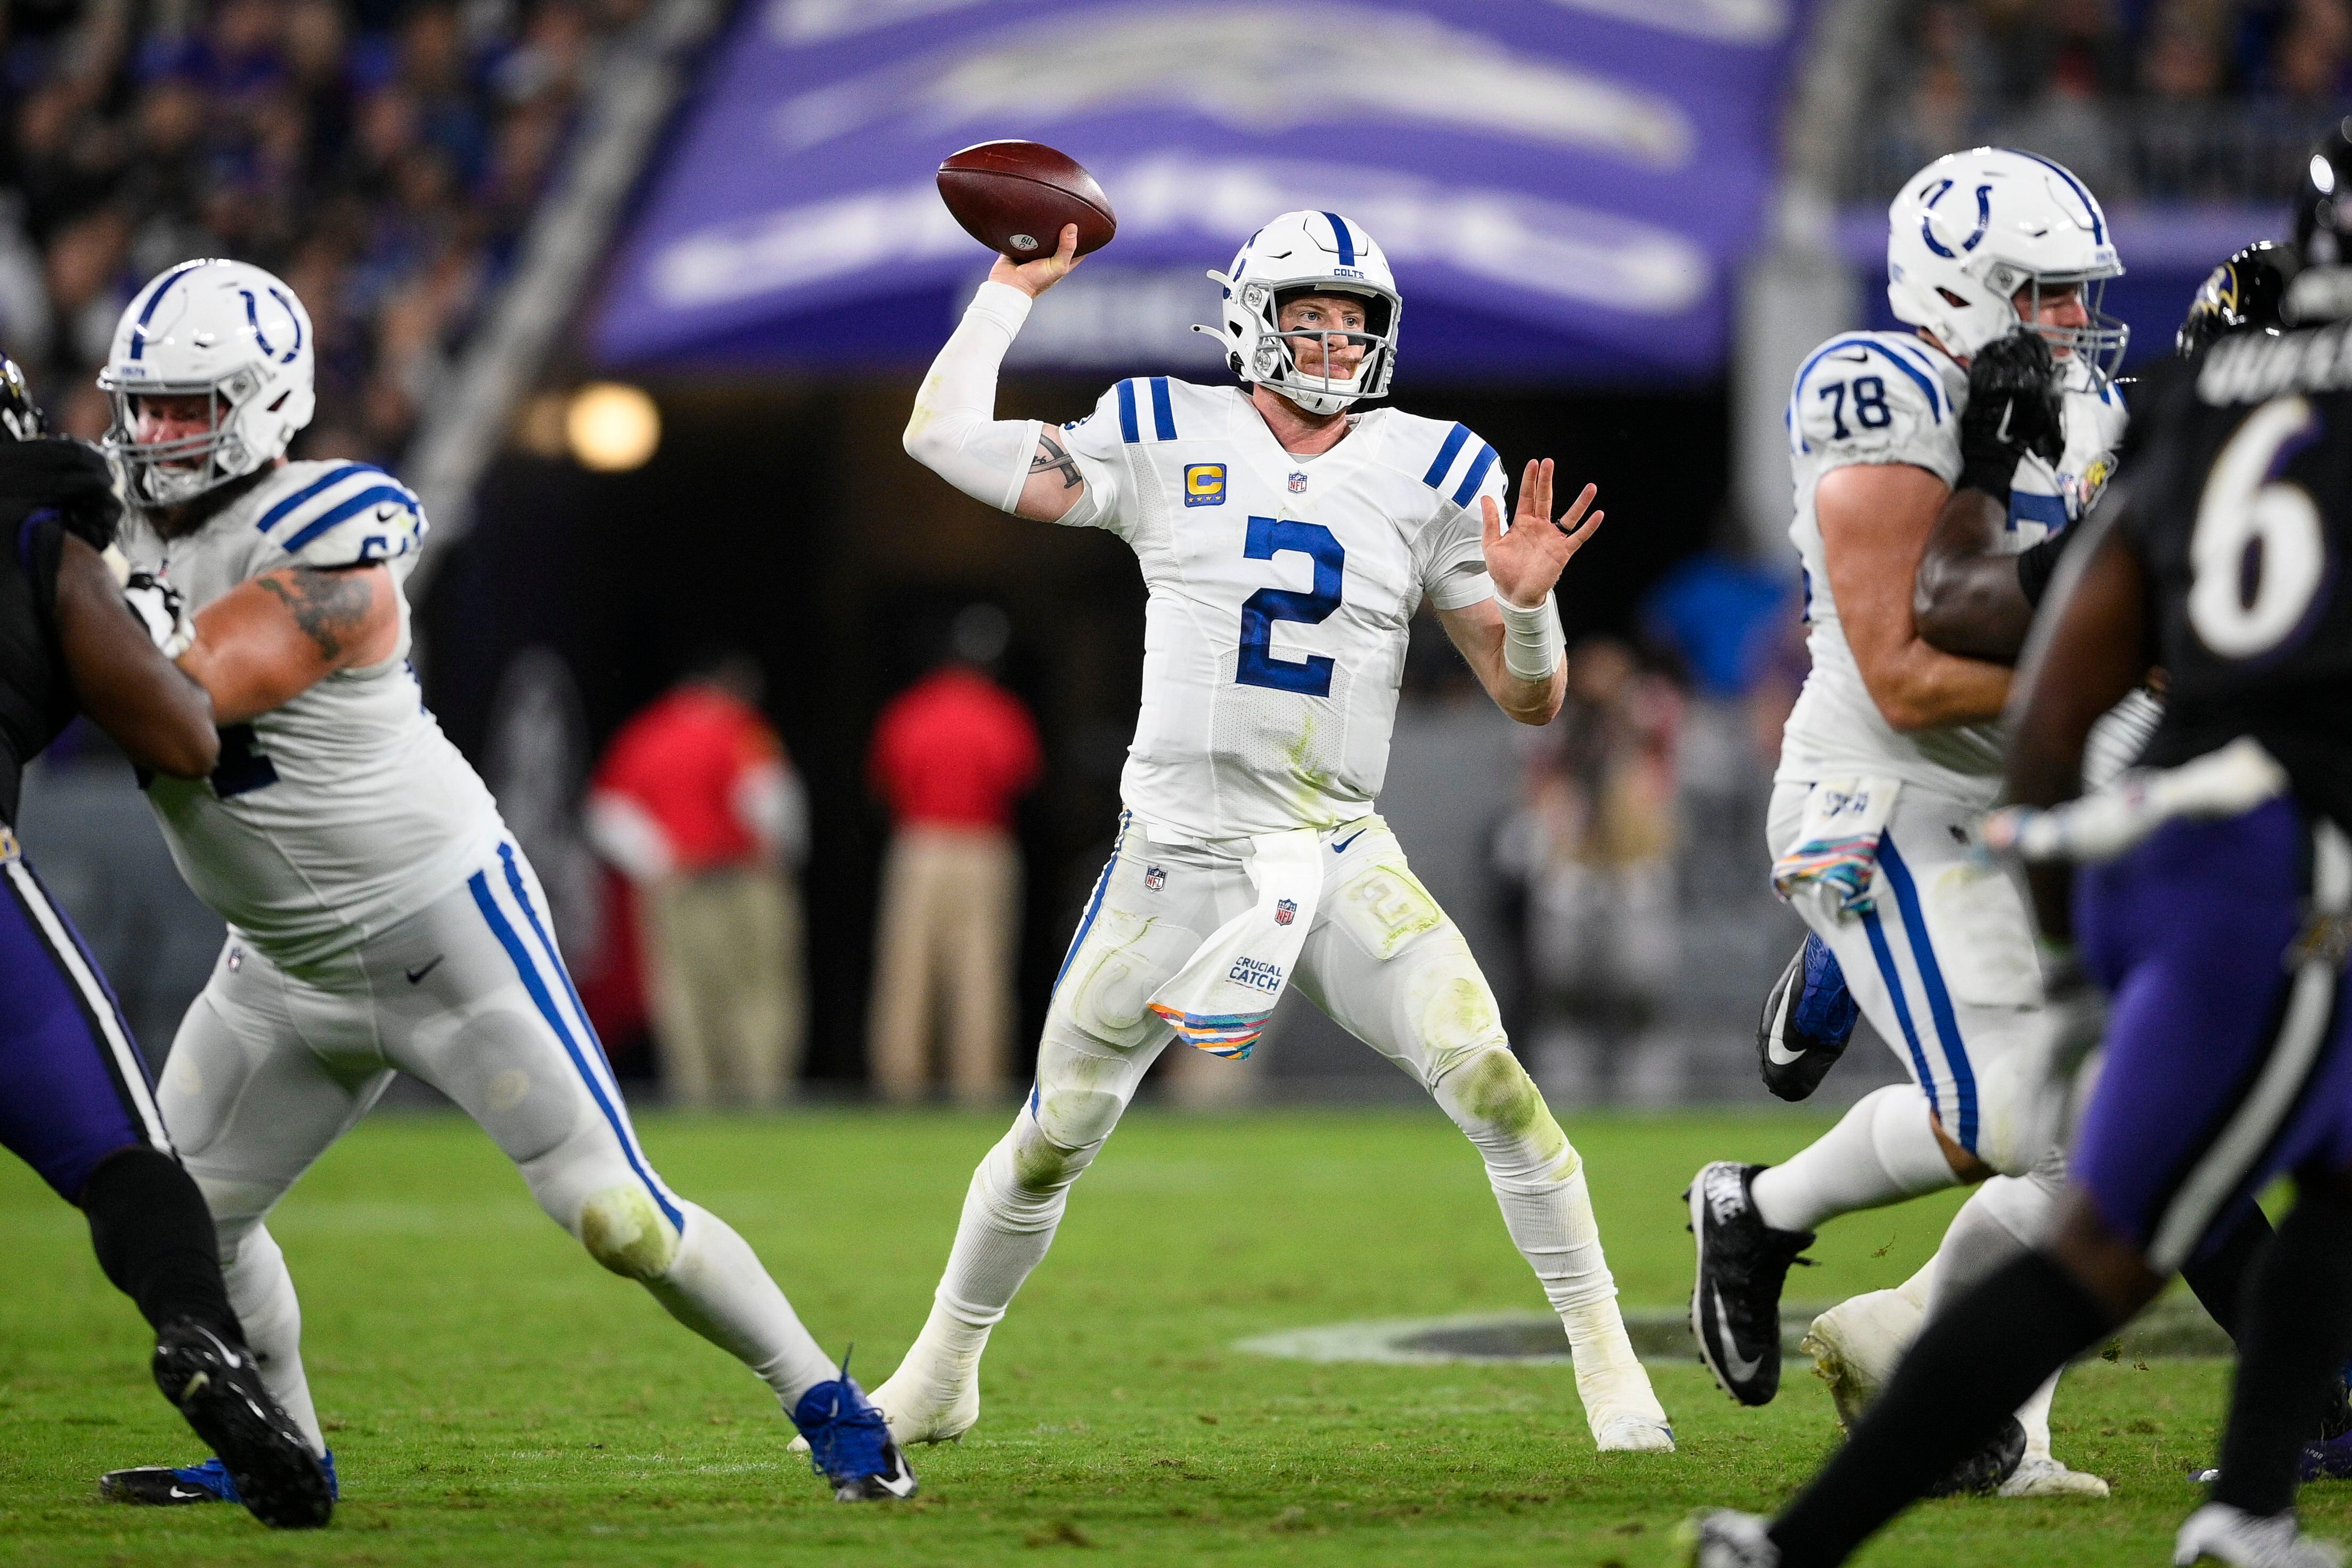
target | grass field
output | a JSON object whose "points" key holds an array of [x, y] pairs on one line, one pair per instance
{"points": [[494, 1397]]}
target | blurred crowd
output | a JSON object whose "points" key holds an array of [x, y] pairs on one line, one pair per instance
{"points": [[1635, 841], [381, 155], [2160, 99]]}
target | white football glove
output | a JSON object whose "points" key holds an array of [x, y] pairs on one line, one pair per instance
{"points": [[2074, 1021], [162, 611]]}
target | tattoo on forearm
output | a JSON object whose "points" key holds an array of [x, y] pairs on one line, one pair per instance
{"points": [[332, 607], [1052, 455]]}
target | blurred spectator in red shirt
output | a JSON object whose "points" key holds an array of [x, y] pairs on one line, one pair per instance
{"points": [[952, 753], [697, 805]]}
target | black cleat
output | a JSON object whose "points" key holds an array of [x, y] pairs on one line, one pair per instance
{"points": [[1808, 1020], [218, 1388], [1981, 1473], [1742, 1264]]}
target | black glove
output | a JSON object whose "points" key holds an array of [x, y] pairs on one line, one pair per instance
{"points": [[2013, 409], [70, 477]]}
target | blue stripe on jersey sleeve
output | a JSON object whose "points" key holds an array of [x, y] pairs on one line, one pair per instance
{"points": [[1479, 465], [1128, 431], [1444, 465], [1163, 417], [374, 495], [278, 514]]}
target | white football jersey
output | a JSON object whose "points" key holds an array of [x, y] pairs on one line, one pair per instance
{"points": [[1281, 588], [1895, 397], [347, 808]]}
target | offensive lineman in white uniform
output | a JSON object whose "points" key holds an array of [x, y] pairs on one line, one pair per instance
{"points": [[1285, 542], [380, 915], [1893, 752]]}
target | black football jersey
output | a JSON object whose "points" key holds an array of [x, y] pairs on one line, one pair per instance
{"points": [[35, 697], [2242, 515]]}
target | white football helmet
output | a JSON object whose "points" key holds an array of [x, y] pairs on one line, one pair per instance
{"points": [[1971, 230], [1316, 252], [221, 329]]}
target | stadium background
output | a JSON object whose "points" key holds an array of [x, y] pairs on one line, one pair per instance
{"points": [[1617, 226]]}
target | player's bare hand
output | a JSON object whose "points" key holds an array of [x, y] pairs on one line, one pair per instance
{"points": [[1033, 277], [1526, 560]]}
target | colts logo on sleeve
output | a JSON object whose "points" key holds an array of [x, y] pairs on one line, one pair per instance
{"points": [[1204, 484]]}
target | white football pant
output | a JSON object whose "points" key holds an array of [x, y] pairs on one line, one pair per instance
{"points": [[1384, 961], [271, 1067]]}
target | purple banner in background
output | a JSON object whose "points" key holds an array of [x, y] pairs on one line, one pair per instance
{"points": [[1563, 187]]}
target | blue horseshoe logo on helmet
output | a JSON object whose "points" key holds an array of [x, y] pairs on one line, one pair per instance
{"points": [[1984, 221], [253, 319]]}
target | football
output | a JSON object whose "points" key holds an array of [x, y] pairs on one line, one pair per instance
{"points": [[1014, 196]]}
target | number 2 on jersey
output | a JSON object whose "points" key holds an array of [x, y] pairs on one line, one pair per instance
{"points": [[1310, 677]]}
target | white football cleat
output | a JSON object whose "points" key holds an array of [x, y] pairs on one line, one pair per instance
{"points": [[2220, 1533], [921, 1409], [1621, 1408], [1634, 1435], [1726, 1539], [2044, 1475], [1856, 1346]]}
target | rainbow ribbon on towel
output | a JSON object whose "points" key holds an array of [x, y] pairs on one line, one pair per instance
{"points": [[1846, 865], [1227, 1035]]}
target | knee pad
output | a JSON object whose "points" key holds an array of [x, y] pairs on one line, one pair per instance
{"points": [[2013, 1131], [1492, 1099], [1044, 1163], [621, 1230]]}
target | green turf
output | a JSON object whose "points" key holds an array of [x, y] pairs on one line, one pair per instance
{"points": [[494, 1397]]}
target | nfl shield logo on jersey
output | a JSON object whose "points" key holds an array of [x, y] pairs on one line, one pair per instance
{"points": [[1298, 484], [1285, 911], [1154, 877]]}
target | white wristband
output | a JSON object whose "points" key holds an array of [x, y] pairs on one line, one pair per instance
{"points": [[1532, 640]]}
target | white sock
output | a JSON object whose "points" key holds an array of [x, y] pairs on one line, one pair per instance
{"points": [[1010, 1214], [262, 1293], [2001, 1221], [1881, 1151], [1539, 1181], [717, 1286]]}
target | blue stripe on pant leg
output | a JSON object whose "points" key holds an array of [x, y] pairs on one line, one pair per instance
{"points": [[1931, 976], [1094, 905], [509, 856], [501, 928], [1885, 956], [554, 959]]}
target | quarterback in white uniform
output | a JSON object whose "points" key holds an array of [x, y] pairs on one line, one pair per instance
{"points": [[1286, 540], [1893, 751], [379, 916]]}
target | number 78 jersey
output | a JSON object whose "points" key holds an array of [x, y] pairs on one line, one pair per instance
{"points": [[1281, 588]]}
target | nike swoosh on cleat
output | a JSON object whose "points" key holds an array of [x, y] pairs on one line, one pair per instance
{"points": [[415, 975], [1342, 848], [186, 1494], [1781, 1056], [1739, 1368]]}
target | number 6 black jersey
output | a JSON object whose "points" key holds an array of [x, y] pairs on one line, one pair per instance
{"points": [[2243, 517]]}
